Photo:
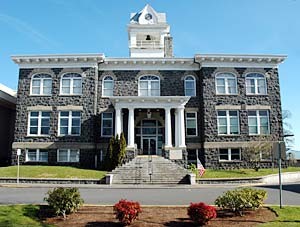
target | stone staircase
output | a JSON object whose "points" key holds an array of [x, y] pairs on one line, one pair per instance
{"points": [[150, 170]]}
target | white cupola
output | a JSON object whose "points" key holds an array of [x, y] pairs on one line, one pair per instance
{"points": [[149, 34]]}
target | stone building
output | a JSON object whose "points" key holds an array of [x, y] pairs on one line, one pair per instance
{"points": [[208, 106], [7, 122]]}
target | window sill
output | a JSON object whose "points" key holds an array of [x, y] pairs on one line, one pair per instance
{"points": [[67, 162], [229, 135], [227, 94], [67, 95], [259, 134], [33, 95], [36, 161], [38, 136], [230, 161], [256, 94], [191, 136], [68, 136]]}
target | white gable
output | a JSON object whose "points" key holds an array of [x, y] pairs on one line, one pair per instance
{"points": [[147, 16]]}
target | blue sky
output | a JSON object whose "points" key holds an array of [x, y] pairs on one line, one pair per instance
{"points": [[211, 26]]}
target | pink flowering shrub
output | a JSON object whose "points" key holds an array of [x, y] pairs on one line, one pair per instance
{"points": [[127, 211], [201, 213]]}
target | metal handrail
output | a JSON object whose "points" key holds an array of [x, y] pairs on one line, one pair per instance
{"points": [[148, 44]]}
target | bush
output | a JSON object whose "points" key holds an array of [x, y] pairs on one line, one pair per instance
{"points": [[201, 213], [239, 200], [64, 200], [127, 211]]}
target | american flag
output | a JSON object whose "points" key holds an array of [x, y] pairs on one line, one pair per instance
{"points": [[200, 168]]}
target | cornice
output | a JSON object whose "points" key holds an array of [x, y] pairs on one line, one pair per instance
{"points": [[57, 61], [149, 64], [239, 60]]}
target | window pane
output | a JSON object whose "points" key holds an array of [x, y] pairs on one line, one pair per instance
{"points": [[35, 90], [75, 130], [144, 84], [76, 114], [45, 114], [74, 156], [191, 131], [234, 130], [191, 115], [264, 130], [108, 85], [34, 114], [33, 130], [221, 113], [222, 129], [43, 156], [31, 155], [253, 130], [64, 113], [189, 84], [64, 130], [220, 82], [107, 123], [64, 122], [252, 121], [107, 115], [252, 113], [222, 121], [190, 92], [63, 155], [33, 122], [107, 131], [191, 123]]}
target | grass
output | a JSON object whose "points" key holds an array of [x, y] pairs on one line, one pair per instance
{"points": [[51, 172], [287, 216], [210, 173], [20, 215]]}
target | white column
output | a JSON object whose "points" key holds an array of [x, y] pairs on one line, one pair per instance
{"points": [[181, 125], [118, 122], [168, 130], [176, 129], [131, 128]]}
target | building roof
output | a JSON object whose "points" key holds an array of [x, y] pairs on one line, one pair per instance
{"points": [[148, 16], [8, 97]]}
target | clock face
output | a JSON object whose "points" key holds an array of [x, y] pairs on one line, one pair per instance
{"points": [[148, 16]]}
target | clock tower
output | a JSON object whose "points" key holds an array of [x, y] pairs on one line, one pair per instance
{"points": [[149, 35]]}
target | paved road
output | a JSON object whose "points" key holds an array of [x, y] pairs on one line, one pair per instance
{"points": [[183, 195]]}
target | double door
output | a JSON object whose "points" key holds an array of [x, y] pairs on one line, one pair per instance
{"points": [[149, 145]]}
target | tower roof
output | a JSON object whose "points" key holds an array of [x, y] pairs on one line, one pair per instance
{"points": [[147, 16]]}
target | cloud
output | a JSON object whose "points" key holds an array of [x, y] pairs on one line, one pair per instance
{"points": [[28, 30]]}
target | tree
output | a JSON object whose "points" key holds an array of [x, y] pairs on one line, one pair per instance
{"points": [[116, 152], [255, 151], [122, 145]]}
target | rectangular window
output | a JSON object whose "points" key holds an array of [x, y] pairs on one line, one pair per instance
{"points": [[39, 123], [191, 123], [68, 155], [107, 124], [258, 122], [36, 155], [228, 122], [69, 123], [229, 154]]}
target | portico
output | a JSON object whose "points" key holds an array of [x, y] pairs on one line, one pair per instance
{"points": [[150, 106]]}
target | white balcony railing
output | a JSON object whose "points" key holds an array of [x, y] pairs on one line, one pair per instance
{"points": [[148, 44]]}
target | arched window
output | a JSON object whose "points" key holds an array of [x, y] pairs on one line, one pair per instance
{"points": [[71, 84], [108, 86], [190, 86], [226, 84], [256, 84], [41, 84], [149, 86]]}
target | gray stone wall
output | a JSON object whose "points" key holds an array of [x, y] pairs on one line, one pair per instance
{"points": [[85, 101], [211, 100]]}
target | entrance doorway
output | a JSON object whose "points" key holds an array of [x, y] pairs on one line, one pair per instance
{"points": [[149, 145]]}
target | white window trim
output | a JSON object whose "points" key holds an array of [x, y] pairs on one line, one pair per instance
{"points": [[228, 123], [258, 123], [186, 118], [149, 85], [194, 88], [39, 117], [68, 157], [229, 155], [256, 84], [219, 75], [69, 123], [37, 156], [112, 123], [41, 93], [71, 85], [103, 88]]}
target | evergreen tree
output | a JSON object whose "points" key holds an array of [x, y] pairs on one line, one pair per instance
{"points": [[122, 149]]}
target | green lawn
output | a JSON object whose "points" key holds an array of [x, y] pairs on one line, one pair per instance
{"points": [[287, 216], [209, 173], [51, 172], [20, 215]]}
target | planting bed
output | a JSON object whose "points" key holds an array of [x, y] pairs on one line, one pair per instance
{"points": [[92, 216]]}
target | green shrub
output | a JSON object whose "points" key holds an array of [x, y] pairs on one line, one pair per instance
{"points": [[239, 200], [64, 200], [201, 213]]}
